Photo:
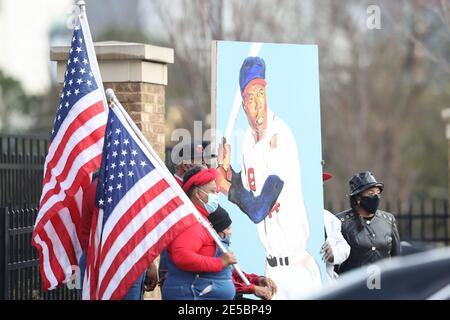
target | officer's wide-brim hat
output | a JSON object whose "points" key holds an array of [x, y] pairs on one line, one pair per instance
{"points": [[363, 181], [368, 186]]}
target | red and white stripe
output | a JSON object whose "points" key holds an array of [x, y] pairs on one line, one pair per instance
{"points": [[73, 155], [142, 224], [91, 274]]}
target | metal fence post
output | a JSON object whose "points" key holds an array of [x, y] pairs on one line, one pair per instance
{"points": [[4, 253]]}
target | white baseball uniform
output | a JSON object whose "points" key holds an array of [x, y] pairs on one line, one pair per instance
{"points": [[337, 242], [285, 232]]}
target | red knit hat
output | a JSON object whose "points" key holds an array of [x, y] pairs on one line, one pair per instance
{"points": [[203, 177]]}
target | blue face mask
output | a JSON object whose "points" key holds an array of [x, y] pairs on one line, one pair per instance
{"points": [[213, 201]]}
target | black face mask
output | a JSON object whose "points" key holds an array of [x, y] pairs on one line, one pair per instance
{"points": [[370, 204]]}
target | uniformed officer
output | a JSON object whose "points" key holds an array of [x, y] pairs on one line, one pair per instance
{"points": [[371, 233]]}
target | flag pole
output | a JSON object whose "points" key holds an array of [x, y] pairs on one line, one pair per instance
{"points": [[83, 20], [174, 185], [82, 5]]}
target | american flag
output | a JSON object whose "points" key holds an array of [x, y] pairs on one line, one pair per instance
{"points": [[142, 209], [74, 153]]}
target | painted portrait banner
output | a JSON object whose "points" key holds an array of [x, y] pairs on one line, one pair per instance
{"points": [[266, 113]]}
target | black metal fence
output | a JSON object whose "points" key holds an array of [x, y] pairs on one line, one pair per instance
{"points": [[21, 168], [22, 160], [19, 260]]}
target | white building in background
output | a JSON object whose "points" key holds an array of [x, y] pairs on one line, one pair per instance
{"points": [[25, 28]]}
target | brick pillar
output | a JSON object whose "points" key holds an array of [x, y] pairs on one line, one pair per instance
{"points": [[144, 102], [138, 75]]}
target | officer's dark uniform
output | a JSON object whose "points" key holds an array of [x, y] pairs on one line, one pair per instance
{"points": [[370, 239]]}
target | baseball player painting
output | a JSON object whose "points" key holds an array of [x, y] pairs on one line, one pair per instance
{"points": [[265, 183]]}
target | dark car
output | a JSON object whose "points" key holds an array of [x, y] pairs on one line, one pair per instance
{"points": [[418, 276]]}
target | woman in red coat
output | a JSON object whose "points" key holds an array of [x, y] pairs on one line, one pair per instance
{"points": [[197, 269]]}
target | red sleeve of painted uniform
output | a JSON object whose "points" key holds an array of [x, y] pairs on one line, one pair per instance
{"points": [[240, 286], [87, 209], [185, 251]]}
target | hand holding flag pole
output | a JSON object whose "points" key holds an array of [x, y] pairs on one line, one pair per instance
{"points": [[173, 184]]}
